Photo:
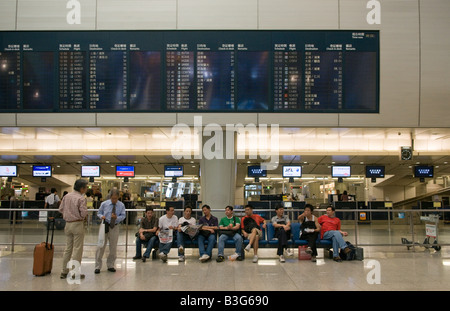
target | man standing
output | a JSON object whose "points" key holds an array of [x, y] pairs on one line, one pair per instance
{"points": [[251, 230], [112, 211], [74, 211], [331, 230]]}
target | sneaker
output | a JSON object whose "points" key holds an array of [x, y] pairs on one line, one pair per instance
{"points": [[282, 258], [239, 258], [181, 250], [136, 257], [233, 257], [144, 259], [337, 259], [347, 250], [204, 258], [220, 258], [247, 248], [289, 252], [255, 259], [308, 250], [181, 258], [313, 258], [163, 257]]}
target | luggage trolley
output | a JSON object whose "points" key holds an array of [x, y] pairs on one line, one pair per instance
{"points": [[431, 231]]}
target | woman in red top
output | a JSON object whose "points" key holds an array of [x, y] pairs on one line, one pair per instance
{"points": [[331, 230]]}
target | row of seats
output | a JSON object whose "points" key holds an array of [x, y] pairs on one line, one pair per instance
{"points": [[269, 240]]}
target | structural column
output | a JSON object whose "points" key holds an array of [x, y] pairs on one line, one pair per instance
{"points": [[218, 167]]}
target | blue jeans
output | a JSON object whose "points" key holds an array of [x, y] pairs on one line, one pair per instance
{"points": [[201, 244], [180, 239], [165, 247], [336, 239], [150, 243], [238, 241]]}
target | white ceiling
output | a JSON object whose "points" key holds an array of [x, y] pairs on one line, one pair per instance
{"points": [[315, 160]]}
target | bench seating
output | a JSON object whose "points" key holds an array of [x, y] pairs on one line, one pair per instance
{"points": [[268, 240]]}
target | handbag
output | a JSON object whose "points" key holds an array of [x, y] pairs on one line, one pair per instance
{"points": [[205, 233], [101, 235], [229, 232]]}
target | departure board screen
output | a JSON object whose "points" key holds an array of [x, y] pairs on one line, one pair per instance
{"points": [[10, 80], [215, 80], [145, 80], [253, 80], [287, 88], [108, 80], [72, 80], [180, 80], [303, 71], [38, 80]]}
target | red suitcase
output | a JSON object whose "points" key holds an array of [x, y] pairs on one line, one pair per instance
{"points": [[43, 254]]}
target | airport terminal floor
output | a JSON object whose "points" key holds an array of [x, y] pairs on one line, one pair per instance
{"points": [[384, 268], [400, 270]]}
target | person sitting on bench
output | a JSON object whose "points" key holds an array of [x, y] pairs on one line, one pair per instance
{"points": [[331, 230]]}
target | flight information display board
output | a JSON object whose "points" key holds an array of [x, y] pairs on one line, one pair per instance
{"points": [[188, 71]]}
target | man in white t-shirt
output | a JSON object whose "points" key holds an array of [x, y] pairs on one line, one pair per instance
{"points": [[167, 224], [52, 202], [187, 219]]}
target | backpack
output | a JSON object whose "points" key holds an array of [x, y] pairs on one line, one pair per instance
{"points": [[249, 224], [350, 255]]}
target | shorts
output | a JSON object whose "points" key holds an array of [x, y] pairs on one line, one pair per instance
{"points": [[259, 233]]}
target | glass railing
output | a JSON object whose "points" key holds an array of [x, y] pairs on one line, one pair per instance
{"points": [[410, 228]]}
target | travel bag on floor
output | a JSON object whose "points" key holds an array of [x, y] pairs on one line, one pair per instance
{"points": [[302, 254], [43, 254]]}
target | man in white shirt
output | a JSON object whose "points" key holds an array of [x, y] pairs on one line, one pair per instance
{"points": [[167, 223], [187, 219], [51, 201]]}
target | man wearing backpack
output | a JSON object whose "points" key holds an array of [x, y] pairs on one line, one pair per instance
{"points": [[251, 230]]}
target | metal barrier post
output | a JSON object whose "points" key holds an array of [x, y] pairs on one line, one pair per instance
{"points": [[126, 234], [411, 226], [13, 232]]}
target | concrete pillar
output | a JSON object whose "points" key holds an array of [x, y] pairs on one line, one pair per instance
{"points": [[218, 174]]}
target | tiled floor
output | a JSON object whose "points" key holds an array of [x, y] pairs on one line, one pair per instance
{"points": [[399, 270]]}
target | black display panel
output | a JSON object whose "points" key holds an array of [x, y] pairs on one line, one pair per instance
{"points": [[72, 80], [256, 171], [180, 85], [215, 80], [177, 71], [375, 171], [145, 80], [38, 80], [10, 80], [108, 80], [253, 80], [287, 87], [424, 171]]}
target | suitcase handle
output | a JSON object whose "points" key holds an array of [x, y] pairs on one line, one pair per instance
{"points": [[52, 220]]}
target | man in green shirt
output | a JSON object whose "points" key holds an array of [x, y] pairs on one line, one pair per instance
{"points": [[229, 228]]}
